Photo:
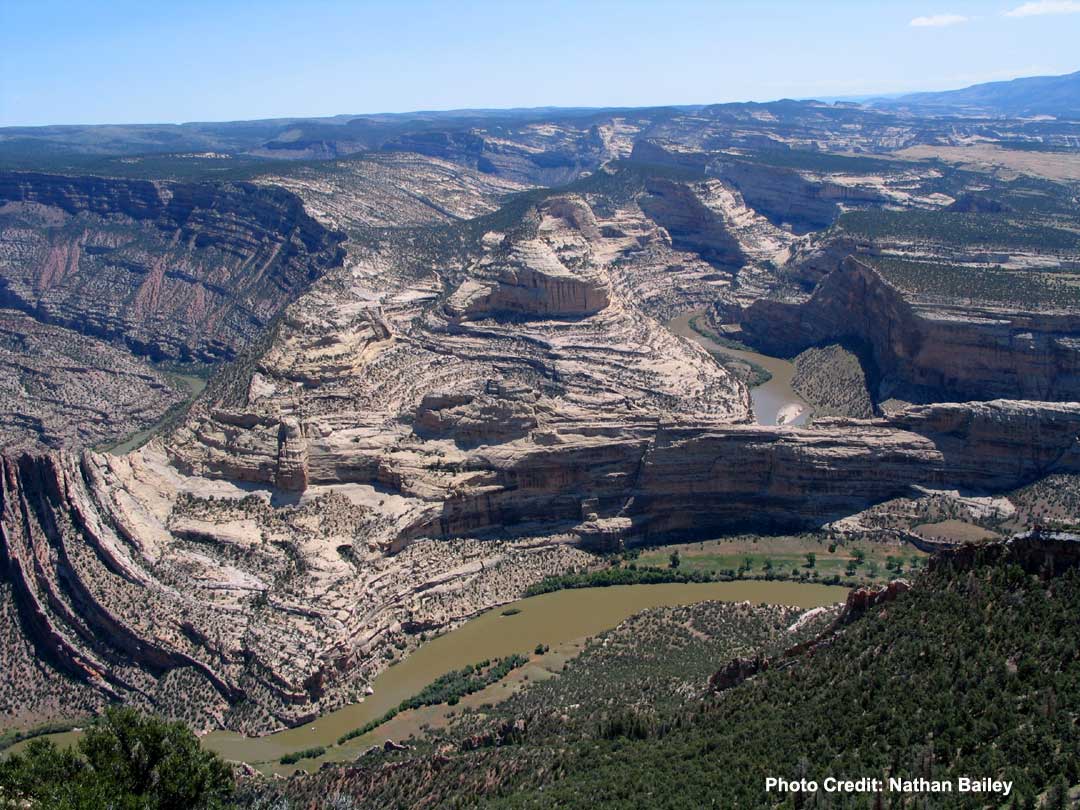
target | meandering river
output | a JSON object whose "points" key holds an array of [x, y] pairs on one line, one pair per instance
{"points": [[195, 387], [775, 401], [551, 619]]}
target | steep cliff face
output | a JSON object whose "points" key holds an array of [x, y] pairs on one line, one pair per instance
{"points": [[273, 550], [796, 201], [692, 225], [225, 612], [530, 281], [128, 573], [783, 196], [691, 478], [545, 155], [177, 271], [941, 353]]}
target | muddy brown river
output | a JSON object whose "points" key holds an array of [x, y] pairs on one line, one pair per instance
{"points": [[775, 402], [552, 619], [195, 387]]}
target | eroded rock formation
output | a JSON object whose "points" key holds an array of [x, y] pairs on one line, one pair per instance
{"points": [[440, 420], [174, 270], [929, 353]]}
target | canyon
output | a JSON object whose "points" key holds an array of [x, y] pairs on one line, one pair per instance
{"points": [[440, 373]]}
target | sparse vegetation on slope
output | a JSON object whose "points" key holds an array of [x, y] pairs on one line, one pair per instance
{"points": [[997, 694], [831, 379]]}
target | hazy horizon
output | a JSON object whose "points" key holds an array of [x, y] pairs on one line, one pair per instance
{"points": [[121, 62]]}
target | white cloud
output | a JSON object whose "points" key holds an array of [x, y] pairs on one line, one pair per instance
{"points": [[939, 20], [1040, 7]]}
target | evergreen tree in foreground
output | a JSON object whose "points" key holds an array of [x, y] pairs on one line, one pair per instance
{"points": [[127, 761]]}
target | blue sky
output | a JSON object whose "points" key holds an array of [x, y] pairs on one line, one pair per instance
{"points": [[115, 61]]}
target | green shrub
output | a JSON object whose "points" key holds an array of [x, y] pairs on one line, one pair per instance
{"points": [[124, 759]]}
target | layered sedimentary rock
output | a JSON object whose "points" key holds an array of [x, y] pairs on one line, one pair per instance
{"points": [[432, 427], [209, 603], [691, 477], [392, 190], [546, 154], [796, 201], [783, 196], [126, 570], [529, 281], [691, 224], [174, 270], [62, 389], [941, 352]]}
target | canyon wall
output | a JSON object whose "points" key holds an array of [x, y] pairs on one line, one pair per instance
{"points": [[188, 271], [940, 353], [122, 577]]}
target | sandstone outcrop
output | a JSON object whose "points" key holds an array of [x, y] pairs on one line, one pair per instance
{"points": [[530, 281], [737, 671], [392, 190], [692, 225], [1039, 551], [860, 600], [939, 353], [442, 418], [99, 548]]}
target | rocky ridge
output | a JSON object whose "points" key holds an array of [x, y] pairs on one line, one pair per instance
{"points": [[441, 418], [955, 352], [175, 271]]}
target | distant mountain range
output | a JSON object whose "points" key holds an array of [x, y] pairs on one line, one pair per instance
{"points": [[558, 137], [1058, 96]]}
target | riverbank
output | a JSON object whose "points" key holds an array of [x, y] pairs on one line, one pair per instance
{"points": [[557, 621], [194, 385], [775, 400]]}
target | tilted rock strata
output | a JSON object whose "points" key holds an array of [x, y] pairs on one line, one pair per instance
{"points": [[123, 577], [356, 358], [392, 190], [62, 389], [321, 507], [125, 570], [188, 271]]}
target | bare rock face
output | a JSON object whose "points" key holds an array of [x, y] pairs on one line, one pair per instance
{"points": [[1039, 551], [860, 600], [494, 416], [130, 576], [530, 281], [736, 671], [942, 352], [787, 198], [506, 385], [692, 224], [292, 457], [128, 568], [546, 154], [547, 276], [176, 271], [392, 190]]}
